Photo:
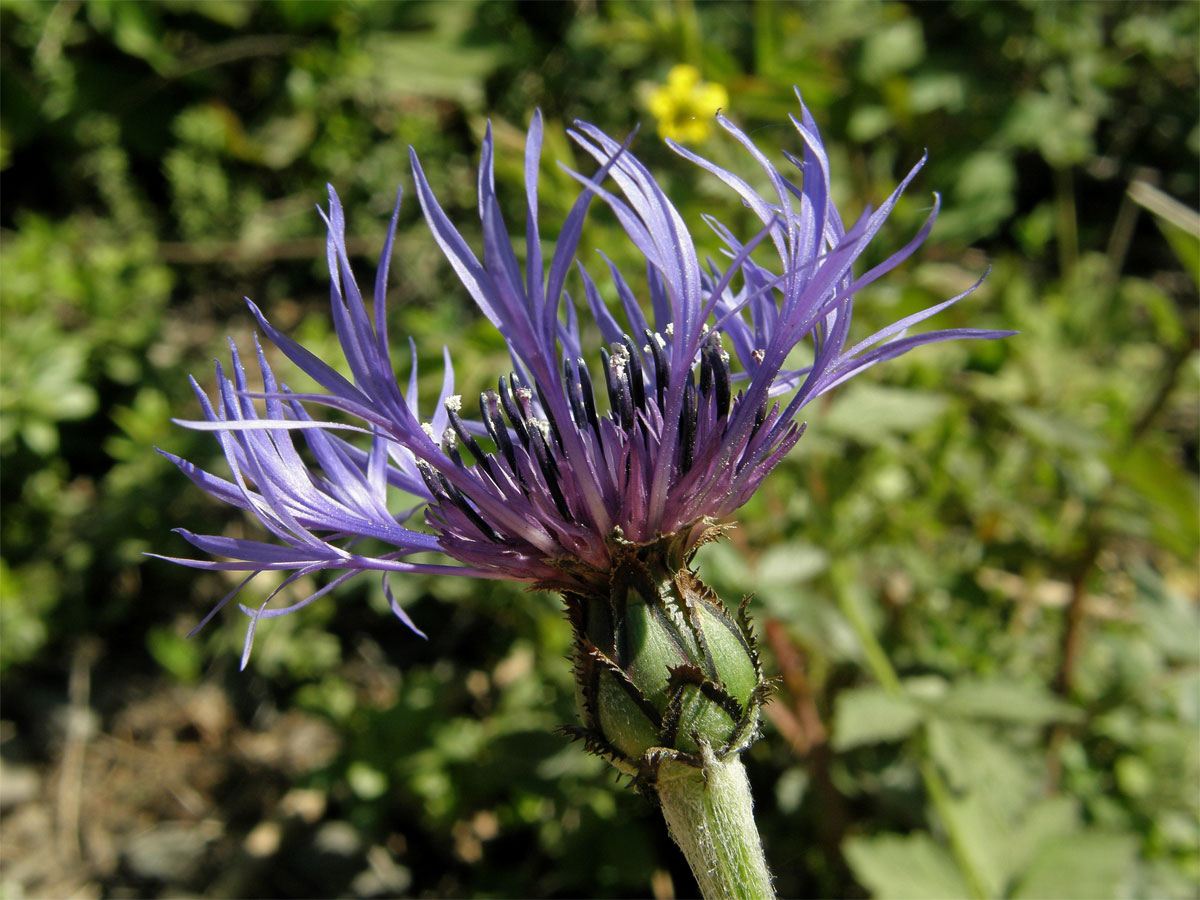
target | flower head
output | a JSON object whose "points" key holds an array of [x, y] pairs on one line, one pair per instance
{"points": [[545, 484], [685, 104]]}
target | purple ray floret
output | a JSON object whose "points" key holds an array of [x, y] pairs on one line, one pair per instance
{"points": [[686, 412]]}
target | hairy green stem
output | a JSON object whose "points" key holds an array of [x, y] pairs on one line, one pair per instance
{"points": [[935, 786], [710, 815]]}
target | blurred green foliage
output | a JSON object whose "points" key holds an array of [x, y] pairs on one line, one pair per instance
{"points": [[1011, 526]]}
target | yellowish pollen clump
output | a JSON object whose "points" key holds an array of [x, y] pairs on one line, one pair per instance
{"points": [[685, 105]]}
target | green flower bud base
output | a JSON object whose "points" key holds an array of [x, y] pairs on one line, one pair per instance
{"points": [[669, 690]]}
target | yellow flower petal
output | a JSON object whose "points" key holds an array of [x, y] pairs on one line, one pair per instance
{"points": [[711, 96], [683, 78]]}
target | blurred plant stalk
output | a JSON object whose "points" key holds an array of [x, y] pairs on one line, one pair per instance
{"points": [[935, 785]]}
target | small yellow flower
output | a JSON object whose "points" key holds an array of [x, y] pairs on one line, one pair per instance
{"points": [[685, 105]]}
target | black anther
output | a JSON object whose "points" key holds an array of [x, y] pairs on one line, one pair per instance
{"points": [[687, 422], [616, 377], [489, 409], [584, 381], [541, 452], [460, 429], [660, 367], [512, 410], [456, 497], [549, 415], [587, 395], [637, 384], [706, 372], [430, 478], [451, 450], [609, 380], [719, 374], [574, 396]]}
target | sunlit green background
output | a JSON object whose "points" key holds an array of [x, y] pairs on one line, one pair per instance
{"points": [[1016, 520]]}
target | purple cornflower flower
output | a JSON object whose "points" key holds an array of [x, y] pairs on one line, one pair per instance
{"points": [[701, 405]]}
